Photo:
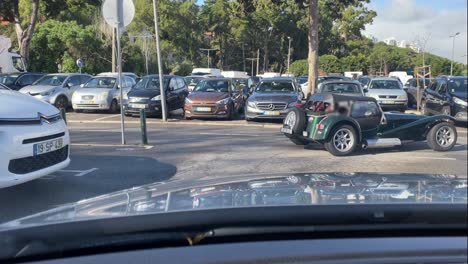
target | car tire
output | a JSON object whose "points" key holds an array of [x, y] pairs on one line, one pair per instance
{"points": [[442, 137], [296, 120], [114, 107], [61, 103], [424, 108], [343, 140]]}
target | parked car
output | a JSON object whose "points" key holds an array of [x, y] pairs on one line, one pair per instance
{"points": [[4, 87], [364, 80], [448, 96], [128, 74], [388, 92], [146, 94], [302, 79], [214, 97], [272, 98], [33, 136], [321, 79], [411, 88], [343, 123], [56, 89], [16, 81], [101, 93], [193, 80], [342, 87]]}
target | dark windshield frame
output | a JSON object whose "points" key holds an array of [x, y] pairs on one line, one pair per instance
{"points": [[202, 86], [143, 83], [384, 86], [259, 86]]}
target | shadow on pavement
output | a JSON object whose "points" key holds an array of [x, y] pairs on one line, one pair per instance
{"points": [[114, 173]]}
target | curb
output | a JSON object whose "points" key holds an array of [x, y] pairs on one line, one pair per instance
{"points": [[208, 123]]}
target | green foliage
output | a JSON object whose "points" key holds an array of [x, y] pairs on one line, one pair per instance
{"points": [[329, 64], [299, 67]]}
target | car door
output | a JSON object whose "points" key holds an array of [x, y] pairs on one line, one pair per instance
{"points": [[440, 97], [22, 81], [367, 114], [182, 92], [429, 96], [171, 95], [236, 96], [71, 85]]}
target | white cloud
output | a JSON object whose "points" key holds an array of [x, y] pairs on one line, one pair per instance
{"points": [[405, 20]]}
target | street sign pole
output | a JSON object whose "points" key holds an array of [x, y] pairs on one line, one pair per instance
{"points": [[119, 63], [158, 53]]}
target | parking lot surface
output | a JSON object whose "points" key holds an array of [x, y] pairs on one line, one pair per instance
{"points": [[200, 149]]}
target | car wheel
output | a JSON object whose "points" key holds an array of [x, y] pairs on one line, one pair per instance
{"points": [[423, 108], [295, 120], [61, 103], [446, 110], [442, 137], [343, 141], [114, 107]]}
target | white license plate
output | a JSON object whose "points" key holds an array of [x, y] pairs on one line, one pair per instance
{"points": [[271, 113], [139, 106], [47, 146], [387, 102], [203, 109], [286, 130], [87, 102]]}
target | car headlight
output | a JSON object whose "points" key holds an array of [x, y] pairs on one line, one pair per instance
{"points": [[459, 101], [104, 95], [156, 98], [224, 101], [251, 104], [402, 97], [47, 93], [187, 101]]}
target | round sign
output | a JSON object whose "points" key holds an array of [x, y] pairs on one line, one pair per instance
{"points": [[80, 63], [118, 13]]}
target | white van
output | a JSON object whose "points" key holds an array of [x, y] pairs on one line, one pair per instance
{"points": [[235, 74], [207, 71], [403, 76]]}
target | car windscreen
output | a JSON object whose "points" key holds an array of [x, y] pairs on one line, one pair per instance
{"points": [[192, 81], [275, 87], [384, 84], [240, 81], [150, 83], [340, 88], [457, 85], [8, 79], [364, 81], [220, 86], [101, 82], [51, 80], [302, 80]]}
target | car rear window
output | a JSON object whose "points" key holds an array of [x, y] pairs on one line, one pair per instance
{"points": [[340, 88]]}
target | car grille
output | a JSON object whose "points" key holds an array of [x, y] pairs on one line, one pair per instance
{"points": [[87, 97], [388, 96], [271, 106], [39, 162], [39, 139]]}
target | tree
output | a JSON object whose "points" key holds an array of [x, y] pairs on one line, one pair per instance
{"points": [[299, 68], [329, 64], [313, 46], [24, 34]]}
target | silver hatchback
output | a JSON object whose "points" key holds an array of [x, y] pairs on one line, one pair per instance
{"points": [[388, 92]]}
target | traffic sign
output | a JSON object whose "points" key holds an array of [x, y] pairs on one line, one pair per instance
{"points": [[118, 13], [80, 63]]}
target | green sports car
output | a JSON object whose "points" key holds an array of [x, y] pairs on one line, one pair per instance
{"points": [[343, 123]]}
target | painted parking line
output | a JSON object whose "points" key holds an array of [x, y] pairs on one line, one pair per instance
{"points": [[106, 117], [434, 158], [120, 146], [79, 173]]}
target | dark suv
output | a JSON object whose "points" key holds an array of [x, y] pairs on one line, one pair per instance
{"points": [[446, 95], [16, 81]]}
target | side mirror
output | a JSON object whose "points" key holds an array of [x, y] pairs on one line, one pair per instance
{"points": [[69, 85], [366, 86], [365, 90], [82, 85]]}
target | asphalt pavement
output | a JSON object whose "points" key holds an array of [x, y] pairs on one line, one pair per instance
{"points": [[199, 150]]}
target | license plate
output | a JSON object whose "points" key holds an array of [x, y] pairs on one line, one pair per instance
{"points": [[203, 109], [87, 102], [139, 106], [271, 113], [387, 102], [47, 146], [286, 130]]}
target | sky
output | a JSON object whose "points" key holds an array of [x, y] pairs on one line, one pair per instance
{"points": [[434, 20]]}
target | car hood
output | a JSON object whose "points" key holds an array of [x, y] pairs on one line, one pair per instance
{"points": [[261, 190], [386, 92], [17, 105], [463, 96], [37, 88], [91, 91], [274, 97], [144, 93], [210, 97]]}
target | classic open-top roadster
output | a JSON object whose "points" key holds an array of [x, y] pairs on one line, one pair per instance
{"points": [[343, 123]]}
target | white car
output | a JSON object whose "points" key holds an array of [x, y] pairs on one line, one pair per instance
{"points": [[34, 139], [388, 92]]}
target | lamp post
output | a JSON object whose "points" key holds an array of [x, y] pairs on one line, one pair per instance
{"points": [[289, 51], [453, 49]]}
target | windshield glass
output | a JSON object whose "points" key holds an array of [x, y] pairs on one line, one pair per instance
{"points": [[340, 88], [275, 87], [458, 85], [150, 83], [192, 81], [8, 79], [240, 81], [101, 82], [220, 86], [364, 81], [51, 80], [384, 84], [302, 80]]}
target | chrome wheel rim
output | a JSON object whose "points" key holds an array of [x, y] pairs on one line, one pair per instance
{"points": [[290, 119], [343, 140], [445, 136]]}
